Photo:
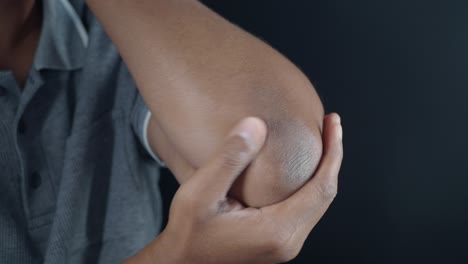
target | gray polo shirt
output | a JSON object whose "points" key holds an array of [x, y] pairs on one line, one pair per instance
{"points": [[77, 184]]}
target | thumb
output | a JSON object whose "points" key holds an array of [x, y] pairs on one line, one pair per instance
{"points": [[240, 148]]}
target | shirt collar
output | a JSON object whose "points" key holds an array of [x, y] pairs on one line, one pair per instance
{"points": [[64, 39]]}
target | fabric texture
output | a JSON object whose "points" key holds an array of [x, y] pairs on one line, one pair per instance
{"points": [[76, 182]]}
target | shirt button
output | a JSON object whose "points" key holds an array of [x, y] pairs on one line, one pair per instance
{"points": [[21, 127], [35, 180]]}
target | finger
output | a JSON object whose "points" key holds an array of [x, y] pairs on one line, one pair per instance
{"points": [[310, 203], [214, 180]]}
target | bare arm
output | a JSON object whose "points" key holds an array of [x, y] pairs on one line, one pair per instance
{"points": [[200, 75], [206, 227]]}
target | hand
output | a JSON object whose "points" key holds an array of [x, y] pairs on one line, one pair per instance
{"points": [[205, 226]]}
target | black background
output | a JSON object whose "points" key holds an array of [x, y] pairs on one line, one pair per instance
{"points": [[397, 72]]}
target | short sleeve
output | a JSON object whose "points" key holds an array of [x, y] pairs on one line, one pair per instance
{"points": [[141, 116]]}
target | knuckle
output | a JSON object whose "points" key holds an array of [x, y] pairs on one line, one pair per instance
{"points": [[231, 160], [281, 247], [184, 198], [283, 252], [186, 206], [288, 255], [337, 152], [180, 199], [328, 191]]}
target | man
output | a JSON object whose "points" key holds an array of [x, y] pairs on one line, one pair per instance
{"points": [[78, 143]]}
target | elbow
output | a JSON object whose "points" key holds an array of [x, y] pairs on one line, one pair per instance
{"points": [[292, 151], [293, 148], [288, 160]]}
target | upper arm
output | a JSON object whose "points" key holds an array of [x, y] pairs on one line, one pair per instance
{"points": [[256, 81], [200, 75]]}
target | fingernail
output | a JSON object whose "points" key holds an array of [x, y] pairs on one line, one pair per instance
{"points": [[340, 132], [246, 129], [338, 119], [340, 129]]}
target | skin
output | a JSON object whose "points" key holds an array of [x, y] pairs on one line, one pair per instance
{"points": [[205, 225], [200, 75], [20, 27]]}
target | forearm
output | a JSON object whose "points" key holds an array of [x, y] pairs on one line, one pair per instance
{"points": [[200, 75]]}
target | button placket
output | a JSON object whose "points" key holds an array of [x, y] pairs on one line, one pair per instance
{"points": [[2, 91], [21, 127], [35, 180]]}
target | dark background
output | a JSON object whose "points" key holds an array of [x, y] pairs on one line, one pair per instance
{"points": [[397, 72]]}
